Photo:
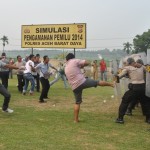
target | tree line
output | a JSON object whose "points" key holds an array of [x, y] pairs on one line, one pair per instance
{"points": [[140, 43]]}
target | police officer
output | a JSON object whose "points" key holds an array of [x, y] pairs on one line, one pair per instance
{"points": [[136, 91], [134, 102]]}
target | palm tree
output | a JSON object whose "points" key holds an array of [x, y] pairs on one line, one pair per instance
{"points": [[4, 40], [127, 47]]}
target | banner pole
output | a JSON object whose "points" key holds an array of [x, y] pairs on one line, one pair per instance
{"points": [[32, 51], [74, 52]]}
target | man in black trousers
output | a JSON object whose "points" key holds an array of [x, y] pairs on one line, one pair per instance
{"points": [[4, 72], [136, 90], [44, 76], [3, 90]]}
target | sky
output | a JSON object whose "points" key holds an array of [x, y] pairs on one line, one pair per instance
{"points": [[110, 23]]}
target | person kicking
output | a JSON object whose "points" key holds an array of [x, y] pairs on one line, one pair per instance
{"points": [[78, 82]]}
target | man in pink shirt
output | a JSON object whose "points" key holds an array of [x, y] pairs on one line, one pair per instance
{"points": [[78, 82]]}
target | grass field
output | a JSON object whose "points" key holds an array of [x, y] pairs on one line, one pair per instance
{"points": [[50, 126]]}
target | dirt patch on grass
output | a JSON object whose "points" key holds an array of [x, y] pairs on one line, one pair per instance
{"points": [[55, 103], [90, 104]]}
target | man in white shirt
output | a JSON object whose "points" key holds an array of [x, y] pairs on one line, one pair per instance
{"points": [[28, 75], [36, 73]]}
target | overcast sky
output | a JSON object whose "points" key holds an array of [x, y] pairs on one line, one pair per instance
{"points": [[110, 23]]}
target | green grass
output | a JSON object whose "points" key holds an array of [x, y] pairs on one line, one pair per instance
{"points": [[50, 126]]}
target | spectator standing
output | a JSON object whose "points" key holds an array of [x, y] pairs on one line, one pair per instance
{"points": [[95, 70], [20, 64], [103, 70]]}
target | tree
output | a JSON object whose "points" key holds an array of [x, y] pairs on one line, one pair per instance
{"points": [[127, 47], [4, 40], [142, 42]]}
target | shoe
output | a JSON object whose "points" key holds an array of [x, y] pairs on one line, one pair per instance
{"points": [[42, 101], [46, 97], [118, 120], [30, 94], [8, 110]]}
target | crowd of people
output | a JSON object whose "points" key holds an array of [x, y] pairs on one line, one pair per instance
{"points": [[36, 72], [29, 70]]}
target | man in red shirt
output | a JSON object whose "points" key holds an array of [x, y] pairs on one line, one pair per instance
{"points": [[103, 70]]}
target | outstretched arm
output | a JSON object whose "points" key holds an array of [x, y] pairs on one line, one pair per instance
{"points": [[86, 63], [123, 73], [10, 66]]}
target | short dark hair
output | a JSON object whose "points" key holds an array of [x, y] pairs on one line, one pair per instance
{"points": [[31, 56], [130, 60], [70, 56], [37, 55], [44, 57], [3, 54], [140, 61], [18, 56]]}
